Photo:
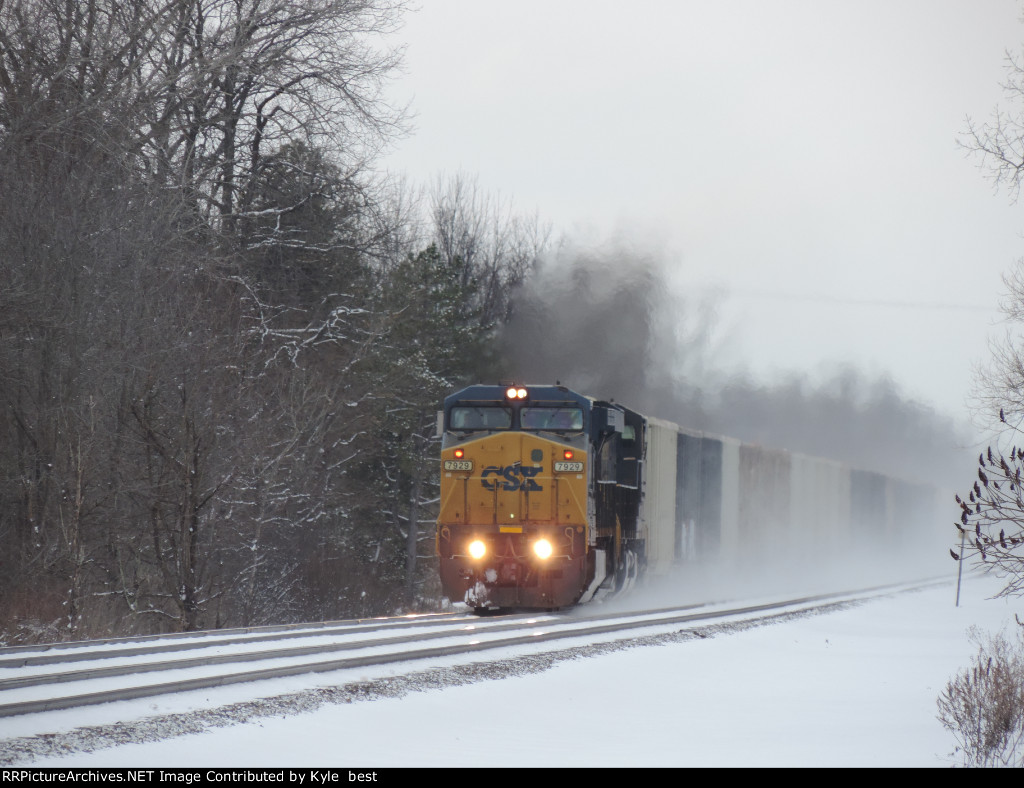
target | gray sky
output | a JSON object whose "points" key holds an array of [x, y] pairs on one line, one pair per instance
{"points": [[799, 155]]}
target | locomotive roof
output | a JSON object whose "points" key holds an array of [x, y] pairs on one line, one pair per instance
{"points": [[538, 395]]}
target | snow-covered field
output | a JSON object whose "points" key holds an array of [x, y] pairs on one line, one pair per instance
{"points": [[853, 687]]}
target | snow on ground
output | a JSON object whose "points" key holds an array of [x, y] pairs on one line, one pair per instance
{"points": [[854, 687]]}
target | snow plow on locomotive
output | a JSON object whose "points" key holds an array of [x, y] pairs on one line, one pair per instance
{"points": [[550, 498]]}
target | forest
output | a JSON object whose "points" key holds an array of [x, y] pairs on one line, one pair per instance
{"points": [[223, 335], [225, 331]]}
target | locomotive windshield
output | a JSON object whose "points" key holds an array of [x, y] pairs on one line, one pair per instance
{"points": [[481, 418], [551, 418]]}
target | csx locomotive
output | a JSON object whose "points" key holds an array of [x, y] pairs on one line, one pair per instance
{"points": [[549, 497]]}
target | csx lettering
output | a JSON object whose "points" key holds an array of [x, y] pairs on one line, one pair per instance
{"points": [[516, 477]]}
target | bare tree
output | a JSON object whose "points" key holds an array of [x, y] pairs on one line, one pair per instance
{"points": [[170, 445], [992, 513], [992, 518], [235, 80], [222, 342], [494, 248], [998, 144]]}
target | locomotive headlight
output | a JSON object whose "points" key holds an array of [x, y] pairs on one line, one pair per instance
{"points": [[543, 549], [477, 548]]}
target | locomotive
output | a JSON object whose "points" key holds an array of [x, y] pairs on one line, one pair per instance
{"points": [[540, 496], [550, 498]]}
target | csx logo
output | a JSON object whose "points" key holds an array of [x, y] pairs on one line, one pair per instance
{"points": [[515, 477]]}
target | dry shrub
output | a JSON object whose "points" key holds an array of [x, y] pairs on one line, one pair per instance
{"points": [[32, 615], [983, 705]]}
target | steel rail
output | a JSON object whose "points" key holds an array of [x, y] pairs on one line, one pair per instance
{"points": [[84, 650], [87, 673], [558, 628]]}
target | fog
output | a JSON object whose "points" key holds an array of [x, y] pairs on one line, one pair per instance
{"points": [[609, 323], [800, 157]]}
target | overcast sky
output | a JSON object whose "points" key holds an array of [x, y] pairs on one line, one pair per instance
{"points": [[799, 155]]}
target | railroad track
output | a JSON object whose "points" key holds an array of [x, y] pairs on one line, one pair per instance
{"points": [[62, 676]]}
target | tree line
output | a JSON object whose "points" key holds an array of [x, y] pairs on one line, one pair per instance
{"points": [[223, 338]]}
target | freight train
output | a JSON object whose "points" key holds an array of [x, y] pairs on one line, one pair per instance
{"points": [[549, 498]]}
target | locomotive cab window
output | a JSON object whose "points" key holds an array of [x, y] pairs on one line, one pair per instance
{"points": [[481, 418], [569, 419]]}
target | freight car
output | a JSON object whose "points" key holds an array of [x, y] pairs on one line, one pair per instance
{"points": [[549, 497]]}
